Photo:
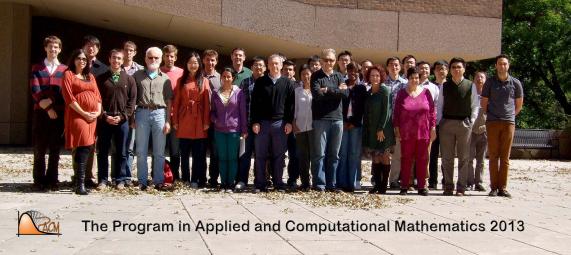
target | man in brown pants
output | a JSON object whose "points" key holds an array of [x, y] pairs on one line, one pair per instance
{"points": [[502, 99]]}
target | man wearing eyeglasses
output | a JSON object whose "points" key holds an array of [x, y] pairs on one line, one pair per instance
{"points": [[328, 89], [459, 104], [154, 95]]}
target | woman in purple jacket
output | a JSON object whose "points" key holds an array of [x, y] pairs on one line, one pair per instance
{"points": [[228, 114]]}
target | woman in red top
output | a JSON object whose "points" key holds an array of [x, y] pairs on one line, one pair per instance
{"points": [[83, 106], [414, 121], [191, 119]]}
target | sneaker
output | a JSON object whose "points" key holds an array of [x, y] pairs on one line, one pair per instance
{"points": [[121, 185], [358, 185], [470, 187], [194, 185], [240, 186], [281, 190], [423, 192], [403, 192], [493, 193], [504, 193], [459, 193], [228, 191], [143, 187], [480, 188], [292, 187], [163, 187], [411, 188], [128, 183], [102, 185], [448, 193]]}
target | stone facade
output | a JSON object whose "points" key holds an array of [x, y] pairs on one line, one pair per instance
{"points": [[475, 8]]}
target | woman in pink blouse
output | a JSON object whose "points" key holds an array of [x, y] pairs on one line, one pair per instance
{"points": [[414, 121]]}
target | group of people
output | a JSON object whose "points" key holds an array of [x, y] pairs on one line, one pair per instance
{"points": [[322, 120]]}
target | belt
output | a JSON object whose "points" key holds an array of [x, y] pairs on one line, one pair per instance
{"points": [[151, 107]]}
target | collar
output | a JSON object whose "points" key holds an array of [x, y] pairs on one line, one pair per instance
{"points": [[132, 66], [52, 63], [153, 74], [215, 74], [506, 81], [399, 78], [274, 79], [461, 80], [118, 72]]}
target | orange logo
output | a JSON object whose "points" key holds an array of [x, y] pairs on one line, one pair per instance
{"points": [[35, 223]]}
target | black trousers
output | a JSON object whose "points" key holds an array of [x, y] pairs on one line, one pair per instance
{"points": [[47, 134], [433, 165]]}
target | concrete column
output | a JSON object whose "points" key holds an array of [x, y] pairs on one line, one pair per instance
{"points": [[14, 89]]}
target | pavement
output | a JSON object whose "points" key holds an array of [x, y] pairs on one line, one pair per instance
{"points": [[537, 220]]}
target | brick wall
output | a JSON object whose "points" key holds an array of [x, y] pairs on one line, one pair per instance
{"points": [[476, 8]]}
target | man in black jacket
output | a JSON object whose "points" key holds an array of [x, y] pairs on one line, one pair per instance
{"points": [[328, 89], [118, 93], [271, 112]]}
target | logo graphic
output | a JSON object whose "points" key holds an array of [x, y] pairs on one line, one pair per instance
{"points": [[35, 223]]}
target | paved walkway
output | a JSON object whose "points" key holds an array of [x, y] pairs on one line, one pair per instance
{"points": [[541, 202]]}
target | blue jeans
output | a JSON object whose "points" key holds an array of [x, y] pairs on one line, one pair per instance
{"points": [[118, 134], [130, 151], [150, 123], [326, 139], [271, 140], [349, 158]]}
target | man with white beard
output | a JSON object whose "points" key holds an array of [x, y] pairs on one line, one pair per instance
{"points": [[154, 95]]}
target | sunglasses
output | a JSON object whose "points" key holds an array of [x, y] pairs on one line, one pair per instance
{"points": [[81, 59]]}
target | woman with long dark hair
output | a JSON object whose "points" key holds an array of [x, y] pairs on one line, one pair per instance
{"points": [[191, 119], [228, 116], [83, 106]]}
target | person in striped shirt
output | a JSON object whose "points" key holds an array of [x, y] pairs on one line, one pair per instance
{"points": [[47, 121]]}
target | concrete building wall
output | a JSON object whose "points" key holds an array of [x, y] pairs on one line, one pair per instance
{"points": [[14, 50], [476, 8]]}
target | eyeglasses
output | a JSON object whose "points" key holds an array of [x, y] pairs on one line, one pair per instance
{"points": [[81, 59], [328, 60]]}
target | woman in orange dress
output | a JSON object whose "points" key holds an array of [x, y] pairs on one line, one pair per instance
{"points": [[191, 119], [83, 106]]}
